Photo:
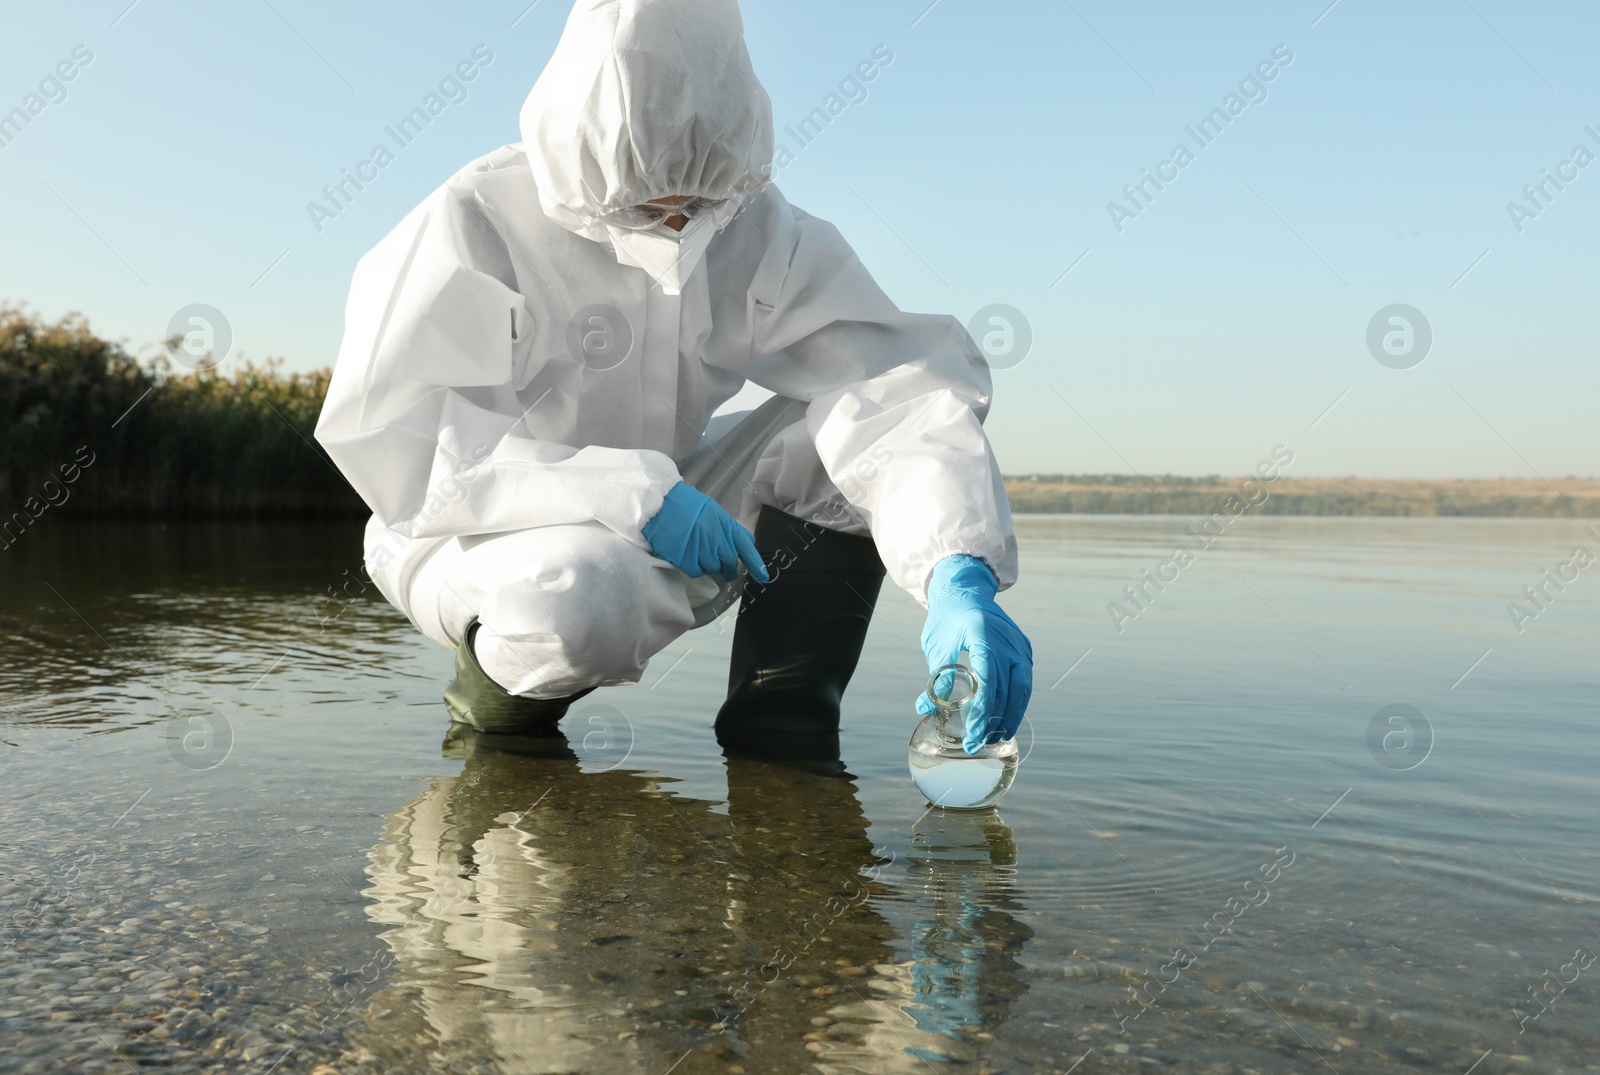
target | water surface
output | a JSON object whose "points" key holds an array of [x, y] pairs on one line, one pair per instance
{"points": [[236, 834]]}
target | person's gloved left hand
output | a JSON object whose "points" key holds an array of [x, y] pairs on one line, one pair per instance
{"points": [[962, 615], [693, 534]]}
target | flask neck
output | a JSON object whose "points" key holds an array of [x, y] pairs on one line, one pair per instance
{"points": [[950, 724]]}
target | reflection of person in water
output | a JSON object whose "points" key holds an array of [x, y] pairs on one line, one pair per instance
{"points": [[545, 919]]}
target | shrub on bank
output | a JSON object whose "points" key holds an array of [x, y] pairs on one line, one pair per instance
{"points": [[90, 430]]}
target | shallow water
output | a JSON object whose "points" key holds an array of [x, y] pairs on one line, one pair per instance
{"points": [[235, 837]]}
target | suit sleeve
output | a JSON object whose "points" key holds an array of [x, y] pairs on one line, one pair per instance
{"points": [[896, 403], [421, 415]]}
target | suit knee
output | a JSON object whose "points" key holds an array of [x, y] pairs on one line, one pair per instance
{"points": [[584, 620]]}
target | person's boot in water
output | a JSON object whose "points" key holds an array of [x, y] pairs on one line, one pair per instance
{"points": [[798, 640], [478, 701]]}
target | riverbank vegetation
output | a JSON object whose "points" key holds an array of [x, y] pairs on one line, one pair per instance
{"points": [[88, 429]]}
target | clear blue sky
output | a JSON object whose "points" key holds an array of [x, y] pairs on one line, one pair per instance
{"points": [[1222, 320]]}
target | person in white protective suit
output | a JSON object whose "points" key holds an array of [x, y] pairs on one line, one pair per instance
{"points": [[526, 391]]}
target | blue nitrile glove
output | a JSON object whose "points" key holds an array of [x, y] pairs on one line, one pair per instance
{"points": [[693, 534], [962, 615]]}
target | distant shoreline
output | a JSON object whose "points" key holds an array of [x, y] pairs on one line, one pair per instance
{"points": [[1118, 494], [96, 433]]}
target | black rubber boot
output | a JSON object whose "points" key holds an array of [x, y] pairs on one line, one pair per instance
{"points": [[476, 700], [798, 640]]}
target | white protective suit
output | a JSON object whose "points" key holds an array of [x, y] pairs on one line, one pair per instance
{"points": [[516, 390]]}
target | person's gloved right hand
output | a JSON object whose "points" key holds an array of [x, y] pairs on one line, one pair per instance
{"points": [[692, 533], [963, 615]]}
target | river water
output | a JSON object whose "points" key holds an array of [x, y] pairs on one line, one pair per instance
{"points": [[1317, 805]]}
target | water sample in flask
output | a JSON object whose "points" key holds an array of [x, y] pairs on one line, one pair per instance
{"points": [[944, 772]]}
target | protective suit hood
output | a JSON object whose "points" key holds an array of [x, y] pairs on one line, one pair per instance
{"points": [[646, 99]]}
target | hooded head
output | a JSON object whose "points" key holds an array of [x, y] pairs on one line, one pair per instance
{"points": [[646, 99]]}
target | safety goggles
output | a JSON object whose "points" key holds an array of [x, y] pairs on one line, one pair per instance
{"points": [[646, 215]]}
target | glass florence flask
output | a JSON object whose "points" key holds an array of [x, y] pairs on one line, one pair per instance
{"points": [[944, 772]]}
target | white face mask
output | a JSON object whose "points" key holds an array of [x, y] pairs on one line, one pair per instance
{"points": [[670, 257]]}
